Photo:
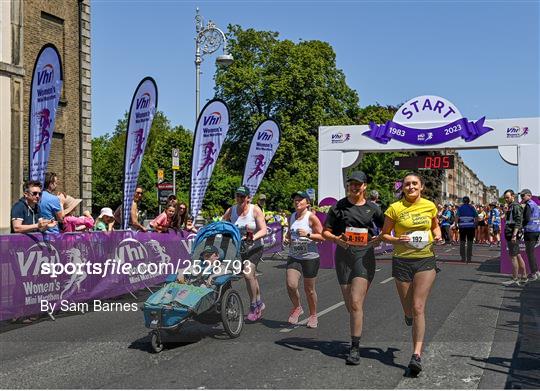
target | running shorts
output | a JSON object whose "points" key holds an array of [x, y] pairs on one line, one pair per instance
{"points": [[354, 262], [308, 267], [404, 269], [513, 247]]}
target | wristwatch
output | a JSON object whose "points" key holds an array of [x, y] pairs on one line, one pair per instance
{"points": [[308, 235]]}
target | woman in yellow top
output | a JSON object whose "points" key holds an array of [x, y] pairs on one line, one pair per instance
{"points": [[415, 227]]}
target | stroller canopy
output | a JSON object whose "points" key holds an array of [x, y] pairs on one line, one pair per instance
{"points": [[221, 234]]}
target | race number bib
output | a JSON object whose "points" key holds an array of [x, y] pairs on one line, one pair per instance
{"points": [[299, 247], [357, 235], [419, 239]]}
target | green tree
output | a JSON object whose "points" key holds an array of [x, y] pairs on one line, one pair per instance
{"points": [[299, 85], [108, 163]]}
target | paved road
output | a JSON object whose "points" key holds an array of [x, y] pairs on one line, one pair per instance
{"points": [[480, 334]]}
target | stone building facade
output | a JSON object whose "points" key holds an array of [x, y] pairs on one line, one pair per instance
{"points": [[462, 181], [25, 27]]}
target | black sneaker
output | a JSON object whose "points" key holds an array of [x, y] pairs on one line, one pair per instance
{"points": [[415, 365], [408, 321], [354, 356]]}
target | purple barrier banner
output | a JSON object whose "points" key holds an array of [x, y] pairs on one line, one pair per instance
{"points": [[27, 263], [93, 266], [469, 131], [506, 262]]}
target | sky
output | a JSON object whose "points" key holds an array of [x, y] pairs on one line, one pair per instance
{"points": [[483, 56]]}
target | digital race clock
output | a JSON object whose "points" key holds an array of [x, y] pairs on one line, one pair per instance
{"points": [[425, 162]]}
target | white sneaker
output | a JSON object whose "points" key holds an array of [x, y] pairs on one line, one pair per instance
{"points": [[538, 274], [513, 281], [523, 281], [533, 277]]}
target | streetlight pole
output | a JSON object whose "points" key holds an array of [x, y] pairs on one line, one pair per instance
{"points": [[208, 39]]}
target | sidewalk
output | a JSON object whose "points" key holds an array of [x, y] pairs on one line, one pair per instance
{"points": [[525, 369]]}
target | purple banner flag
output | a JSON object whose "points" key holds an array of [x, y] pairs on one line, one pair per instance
{"points": [[263, 147], [141, 114], [469, 131], [210, 132], [47, 80]]}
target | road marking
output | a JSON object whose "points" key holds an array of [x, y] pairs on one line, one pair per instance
{"points": [[387, 280], [319, 314]]}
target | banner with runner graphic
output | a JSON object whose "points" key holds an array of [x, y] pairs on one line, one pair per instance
{"points": [[141, 114], [263, 147], [210, 132], [47, 80]]}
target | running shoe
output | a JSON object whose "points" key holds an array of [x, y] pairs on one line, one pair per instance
{"points": [[295, 314], [533, 276], [538, 274], [354, 356], [415, 365], [252, 315], [408, 321], [513, 281], [523, 281], [260, 308], [312, 322]]}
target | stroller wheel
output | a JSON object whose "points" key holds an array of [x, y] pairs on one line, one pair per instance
{"points": [[232, 313], [155, 340]]}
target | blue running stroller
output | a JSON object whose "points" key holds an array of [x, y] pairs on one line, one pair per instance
{"points": [[202, 298]]}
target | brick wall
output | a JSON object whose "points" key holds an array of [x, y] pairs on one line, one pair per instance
{"points": [[57, 22]]}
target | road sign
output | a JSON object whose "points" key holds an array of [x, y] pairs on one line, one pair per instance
{"points": [[160, 175], [165, 189], [175, 159]]}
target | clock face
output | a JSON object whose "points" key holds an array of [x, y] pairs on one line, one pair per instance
{"points": [[428, 162]]}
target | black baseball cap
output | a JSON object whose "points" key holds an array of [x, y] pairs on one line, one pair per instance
{"points": [[358, 176], [242, 190], [525, 191], [466, 200], [302, 194]]}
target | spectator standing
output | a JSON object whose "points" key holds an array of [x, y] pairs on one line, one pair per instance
{"points": [[494, 225], [446, 222], [512, 231], [73, 223], [105, 220], [165, 219], [466, 217], [25, 213], [51, 204], [134, 215], [531, 231]]}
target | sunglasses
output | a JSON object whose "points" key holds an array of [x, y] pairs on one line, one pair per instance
{"points": [[138, 192], [182, 207], [35, 193]]}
